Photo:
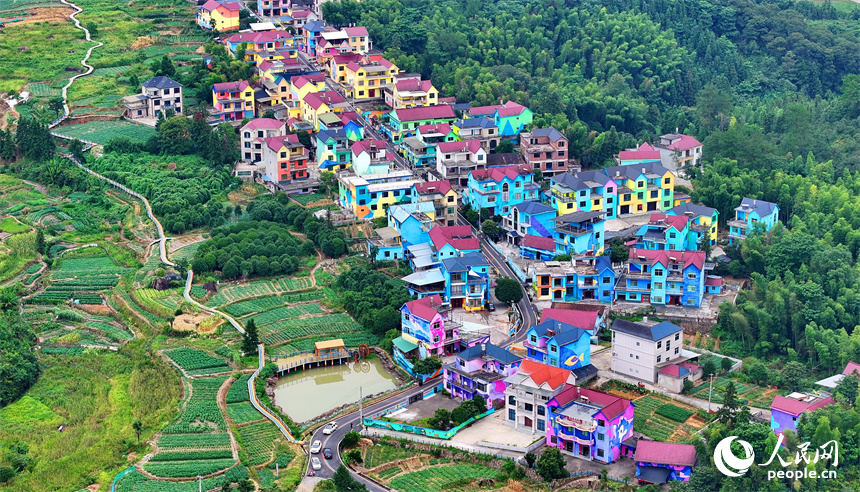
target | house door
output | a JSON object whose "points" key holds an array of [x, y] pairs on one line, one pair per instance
{"points": [[585, 450], [625, 209], [646, 298], [652, 205], [372, 93], [527, 422], [457, 303], [568, 446]]}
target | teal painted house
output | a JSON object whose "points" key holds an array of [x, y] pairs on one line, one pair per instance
{"points": [[752, 213], [498, 189], [510, 118], [670, 232], [703, 222], [529, 218], [404, 122], [333, 149], [580, 233]]}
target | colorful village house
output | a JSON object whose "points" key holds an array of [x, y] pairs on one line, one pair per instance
{"points": [[157, 94], [385, 244], [365, 82], [686, 150], [455, 161], [266, 45], [451, 241], [561, 345], [333, 149], [273, 8], [528, 393], [369, 196], [285, 159], [315, 104], [751, 214], [590, 317], [786, 410], [420, 150], [445, 200], [580, 233], [589, 424], [537, 247], [404, 122], [498, 189], [529, 218], [703, 221], [644, 154], [510, 118], [252, 137], [674, 278], [545, 149], [481, 370], [467, 281], [424, 323], [409, 92], [220, 16], [665, 232], [585, 191], [661, 462], [310, 33], [305, 84], [233, 101], [482, 129], [370, 157], [582, 278]]}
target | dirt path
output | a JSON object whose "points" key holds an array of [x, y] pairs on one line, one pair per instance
{"points": [[39, 187], [222, 404]]}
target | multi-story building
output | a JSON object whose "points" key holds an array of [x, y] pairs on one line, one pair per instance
{"points": [[404, 122], [589, 424], [305, 84], [467, 281], [510, 118], [644, 154], [156, 95], [785, 411], [529, 218], [752, 214], [672, 278], [444, 198], [233, 101], [367, 81], [585, 191], [666, 232], [264, 45], [252, 137], [410, 92], [499, 189], [481, 370], [702, 221], [370, 157], [574, 280], [370, 195], [687, 151], [640, 350], [385, 244], [333, 149], [561, 345], [310, 33], [528, 393], [315, 104], [451, 241], [537, 248], [220, 16], [330, 43], [425, 323], [579, 233], [420, 150], [456, 160], [285, 159], [545, 149], [591, 317], [412, 221], [481, 128], [273, 8]]}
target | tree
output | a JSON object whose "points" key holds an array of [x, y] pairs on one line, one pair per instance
{"points": [[793, 376], [92, 27], [709, 368], [166, 67], [550, 465], [353, 457], [441, 419], [847, 388], [19, 367], [174, 136], [618, 251], [246, 486], [350, 439], [714, 107], [138, 427], [251, 338], [227, 487], [504, 147], [344, 482], [728, 412], [508, 290], [461, 414], [726, 364], [56, 104], [6, 473], [40, 241], [427, 366], [491, 229], [530, 459]]}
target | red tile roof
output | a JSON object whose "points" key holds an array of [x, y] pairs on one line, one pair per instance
{"points": [[688, 258], [713, 281], [385, 63], [356, 31], [442, 187], [317, 99], [238, 86], [303, 80], [850, 368], [341, 59], [348, 116], [259, 37], [300, 14], [421, 113], [275, 143], [497, 174], [214, 4], [613, 406], [425, 308], [665, 453], [511, 108], [541, 374], [796, 407], [639, 155], [461, 146], [580, 319], [679, 222], [368, 146], [413, 85], [538, 242], [646, 147], [442, 128], [459, 237], [686, 143]]}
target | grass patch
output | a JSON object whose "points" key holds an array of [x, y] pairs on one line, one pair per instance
{"points": [[12, 226], [102, 131]]}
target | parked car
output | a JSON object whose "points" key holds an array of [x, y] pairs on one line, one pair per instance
{"points": [[315, 463], [316, 446], [491, 307], [331, 427], [327, 453]]}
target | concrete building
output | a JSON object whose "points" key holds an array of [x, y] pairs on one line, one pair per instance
{"points": [[528, 393], [157, 94], [481, 370], [752, 213], [640, 350], [253, 135], [786, 410], [545, 149]]}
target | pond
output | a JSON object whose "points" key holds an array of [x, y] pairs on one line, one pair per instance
{"points": [[304, 395]]}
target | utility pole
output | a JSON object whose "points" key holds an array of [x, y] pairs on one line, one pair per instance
{"points": [[200, 483], [710, 392], [361, 407]]}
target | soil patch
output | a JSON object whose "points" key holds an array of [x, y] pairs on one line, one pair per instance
{"points": [[44, 14], [191, 322]]}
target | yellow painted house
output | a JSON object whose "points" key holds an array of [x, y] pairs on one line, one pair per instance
{"points": [[368, 81], [703, 220], [316, 104], [303, 85], [220, 16], [411, 92]]}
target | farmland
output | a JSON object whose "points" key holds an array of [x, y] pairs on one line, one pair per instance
{"points": [[102, 131], [201, 414], [238, 391], [259, 441], [196, 362], [439, 478], [658, 417], [290, 329], [137, 482], [245, 308], [244, 412]]}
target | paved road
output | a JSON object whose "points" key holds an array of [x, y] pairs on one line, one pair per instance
{"points": [[352, 421]]}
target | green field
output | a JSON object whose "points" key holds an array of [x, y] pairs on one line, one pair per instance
{"points": [[102, 131], [259, 440], [196, 362], [439, 478]]}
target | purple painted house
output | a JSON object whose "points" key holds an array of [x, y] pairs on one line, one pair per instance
{"points": [[659, 462], [589, 424], [481, 370], [422, 323], [785, 410]]}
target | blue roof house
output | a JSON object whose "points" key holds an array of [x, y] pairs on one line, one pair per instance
{"points": [[532, 218], [467, 281], [412, 220], [752, 213]]}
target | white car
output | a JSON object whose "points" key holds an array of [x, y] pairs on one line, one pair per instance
{"points": [[315, 463], [331, 427], [316, 447]]}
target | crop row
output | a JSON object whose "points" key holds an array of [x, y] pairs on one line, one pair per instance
{"points": [[259, 441], [191, 359], [287, 313], [150, 305], [241, 413], [180, 469], [265, 303], [111, 332], [196, 441], [137, 482], [286, 330], [441, 478], [673, 412], [201, 411], [238, 391], [206, 454]]}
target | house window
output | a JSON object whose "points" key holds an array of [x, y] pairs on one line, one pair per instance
{"points": [[600, 453], [676, 349], [533, 339], [283, 155], [659, 358], [529, 407], [691, 276], [541, 410], [553, 348], [601, 423], [660, 344], [512, 400], [601, 436], [658, 285], [691, 288], [667, 180], [677, 336], [541, 424], [609, 200], [691, 302], [512, 414], [406, 316]]}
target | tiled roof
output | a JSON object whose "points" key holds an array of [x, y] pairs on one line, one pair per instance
{"points": [[505, 159], [238, 86], [696, 258], [796, 407], [441, 128], [632, 171], [550, 132], [161, 82], [762, 207], [259, 37], [679, 222], [303, 80], [713, 281], [442, 187], [461, 146], [665, 453], [639, 155], [675, 370], [317, 99], [541, 374], [459, 237], [368, 146], [694, 208], [489, 350], [653, 333], [421, 113], [582, 319], [425, 308], [356, 31], [479, 122], [850, 368], [413, 85], [538, 242], [533, 208], [337, 133], [646, 147], [263, 124], [498, 174], [685, 143], [465, 262], [214, 4]]}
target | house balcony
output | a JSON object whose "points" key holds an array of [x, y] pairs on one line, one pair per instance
{"points": [[540, 148], [562, 198], [383, 242], [740, 224], [638, 275], [573, 231], [699, 227]]}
